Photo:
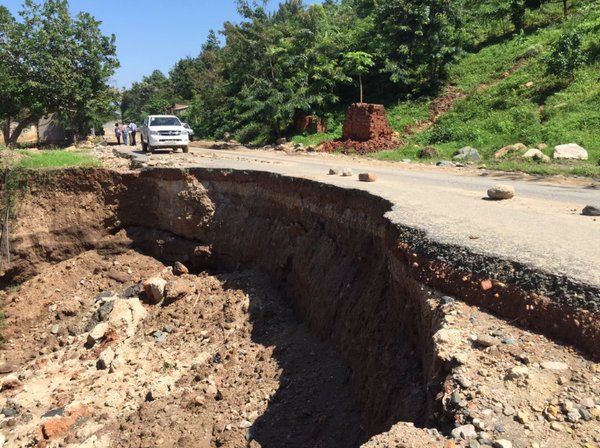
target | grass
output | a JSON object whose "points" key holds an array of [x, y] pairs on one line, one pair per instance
{"points": [[501, 108], [56, 159]]}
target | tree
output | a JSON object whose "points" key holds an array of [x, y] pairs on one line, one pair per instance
{"points": [[53, 64], [152, 95], [358, 63], [566, 55]]}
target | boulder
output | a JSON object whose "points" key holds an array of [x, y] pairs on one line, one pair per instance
{"points": [[517, 147], [570, 151], [542, 146], [536, 154], [96, 334], [500, 192], [347, 172], [468, 154], [465, 432], [367, 177]]}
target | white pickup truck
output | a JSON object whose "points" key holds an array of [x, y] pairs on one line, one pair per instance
{"points": [[164, 131]]}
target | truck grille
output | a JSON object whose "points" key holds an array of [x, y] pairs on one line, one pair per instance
{"points": [[169, 133]]}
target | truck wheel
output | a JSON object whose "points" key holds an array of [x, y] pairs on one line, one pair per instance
{"points": [[186, 149]]}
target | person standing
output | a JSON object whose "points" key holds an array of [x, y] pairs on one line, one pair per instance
{"points": [[124, 132], [133, 130], [118, 133]]}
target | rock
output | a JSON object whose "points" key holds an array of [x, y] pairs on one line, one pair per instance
{"points": [[486, 341], [536, 154], [553, 365], [588, 403], [570, 151], [159, 336], [55, 329], [9, 412], [10, 382], [502, 443], [333, 172], [281, 141], [155, 289], [591, 210], [445, 163], [245, 424], [508, 411], [517, 373], [542, 146], [2, 439], [347, 172], [177, 290], [367, 177], [101, 314], [464, 432], [468, 154], [96, 334], [529, 85], [500, 192], [508, 149], [180, 269], [522, 417], [128, 313], [556, 426], [105, 359], [429, 152]]}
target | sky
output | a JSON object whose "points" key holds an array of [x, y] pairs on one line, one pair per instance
{"points": [[154, 34]]}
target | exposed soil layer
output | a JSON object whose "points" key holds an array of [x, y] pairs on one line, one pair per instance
{"points": [[366, 130], [349, 275]]}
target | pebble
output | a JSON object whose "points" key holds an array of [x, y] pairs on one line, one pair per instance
{"points": [[333, 171], [347, 172], [502, 443], [556, 426], [55, 329], [486, 341], [518, 373], [244, 424], [179, 268], [159, 336], [573, 416], [500, 429], [523, 417], [508, 411]]}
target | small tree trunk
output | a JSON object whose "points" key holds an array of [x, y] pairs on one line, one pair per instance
{"points": [[361, 87], [565, 8], [12, 140]]}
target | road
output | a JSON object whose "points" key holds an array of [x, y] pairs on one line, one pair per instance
{"points": [[541, 227]]}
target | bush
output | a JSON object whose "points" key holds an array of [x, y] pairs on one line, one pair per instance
{"points": [[566, 55]]}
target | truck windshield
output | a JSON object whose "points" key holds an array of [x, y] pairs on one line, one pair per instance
{"points": [[164, 121]]}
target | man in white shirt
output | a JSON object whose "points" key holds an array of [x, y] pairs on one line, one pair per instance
{"points": [[133, 131]]}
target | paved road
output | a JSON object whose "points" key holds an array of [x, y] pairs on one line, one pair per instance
{"points": [[541, 227]]}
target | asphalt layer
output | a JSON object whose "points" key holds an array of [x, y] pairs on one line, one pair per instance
{"points": [[540, 229]]}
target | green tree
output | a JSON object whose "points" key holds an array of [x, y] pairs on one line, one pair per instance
{"points": [[152, 95], [53, 64], [358, 63], [566, 55]]}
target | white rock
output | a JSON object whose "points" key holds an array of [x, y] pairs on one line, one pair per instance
{"points": [[570, 151], [98, 332], [127, 312], [2, 439], [554, 365], [500, 191], [347, 172], [536, 154], [464, 432], [155, 289], [518, 373], [105, 359]]}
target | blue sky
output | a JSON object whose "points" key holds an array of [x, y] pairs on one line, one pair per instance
{"points": [[154, 34]]}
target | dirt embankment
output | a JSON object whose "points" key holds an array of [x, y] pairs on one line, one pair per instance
{"points": [[350, 275]]}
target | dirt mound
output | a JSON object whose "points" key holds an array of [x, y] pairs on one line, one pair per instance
{"points": [[366, 130]]}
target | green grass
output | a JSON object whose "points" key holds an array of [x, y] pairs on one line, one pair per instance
{"points": [[56, 159], [499, 109], [316, 139]]}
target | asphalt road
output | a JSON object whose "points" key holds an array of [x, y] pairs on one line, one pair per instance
{"points": [[541, 227]]}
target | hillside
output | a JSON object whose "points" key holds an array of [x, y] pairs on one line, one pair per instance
{"points": [[501, 93]]}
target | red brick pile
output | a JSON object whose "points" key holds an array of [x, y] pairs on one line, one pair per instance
{"points": [[366, 130]]}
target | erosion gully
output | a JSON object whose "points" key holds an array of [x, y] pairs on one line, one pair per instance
{"points": [[350, 273]]}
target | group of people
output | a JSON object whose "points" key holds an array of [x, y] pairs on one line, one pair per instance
{"points": [[127, 132]]}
